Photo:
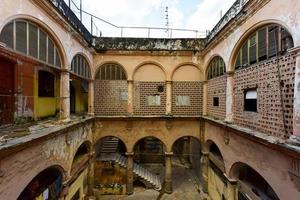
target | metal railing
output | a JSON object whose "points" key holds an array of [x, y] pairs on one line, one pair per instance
{"points": [[234, 10], [100, 27]]}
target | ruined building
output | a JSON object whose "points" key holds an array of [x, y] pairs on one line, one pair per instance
{"points": [[83, 115]]}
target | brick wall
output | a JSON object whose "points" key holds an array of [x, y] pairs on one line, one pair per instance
{"points": [[216, 87], [275, 108], [141, 92], [108, 98], [192, 89]]}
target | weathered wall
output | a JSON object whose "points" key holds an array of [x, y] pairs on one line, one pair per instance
{"points": [[274, 107], [264, 160], [22, 166], [216, 87], [108, 100]]}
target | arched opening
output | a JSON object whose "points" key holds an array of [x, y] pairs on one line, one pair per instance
{"points": [[31, 48], [149, 161], [216, 88], [251, 184], [81, 157], [111, 90], [216, 170], [46, 185], [186, 164], [110, 166], [264, 73], [79, 84]]}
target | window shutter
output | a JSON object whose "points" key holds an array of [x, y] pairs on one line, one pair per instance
{"points": [[252, 49], [262, 44], [7, 35], [21, 36], [50, 52], [245, 54], [43, 46], [273, 41]]}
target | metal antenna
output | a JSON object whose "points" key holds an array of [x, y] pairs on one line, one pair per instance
{"points": [[167, 19]]}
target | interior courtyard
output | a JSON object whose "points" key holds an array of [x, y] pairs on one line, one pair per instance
{"points": [[88, 117]]}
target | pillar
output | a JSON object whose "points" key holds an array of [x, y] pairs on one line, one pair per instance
{"points": [[91, 110], [64, 95], [168, 172], [168, 97], [130, 97], [205, 96], [229, 97], [232, 189], [91, 182], [129, 173], [204, 166]]}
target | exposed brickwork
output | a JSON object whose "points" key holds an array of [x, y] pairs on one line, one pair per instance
{"points": [[216, 87], [141, 92], [187, 88], [108, 98], [271, 102]]}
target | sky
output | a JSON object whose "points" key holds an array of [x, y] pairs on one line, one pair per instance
{"points": [[198, 15]]}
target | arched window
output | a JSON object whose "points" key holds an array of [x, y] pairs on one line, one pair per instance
{"points": [[266, 42], [29, 39], [111, 71], [216, 68], [80, 66]]}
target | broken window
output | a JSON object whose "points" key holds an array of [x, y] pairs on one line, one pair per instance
{"points": [[153, 100], [111, 71], [216, 68], [183, 101], [264, 43], [216, 101], [250, 101], [46, 84]]}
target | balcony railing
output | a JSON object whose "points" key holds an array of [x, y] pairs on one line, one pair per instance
{"points": [[234, 10]]}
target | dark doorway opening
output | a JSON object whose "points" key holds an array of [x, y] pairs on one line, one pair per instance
{"points": [[72, 98]]}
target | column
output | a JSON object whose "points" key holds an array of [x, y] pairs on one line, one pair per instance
{"points": [[169, 97], [232, 189], [91, 175], [229, 97], [204, 166], [205, 96], [168, 173], [130, 97], [91, 110], [296, 119], [129, 184], [64, 95]]}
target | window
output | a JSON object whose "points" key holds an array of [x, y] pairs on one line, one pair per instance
{"points": [[250, 101], [111, 71], [80, 66], [46, 84], [153, 100], [160, 88], [265, 43], [216, 101], [183, 101], [27, 38], [216, 68]]}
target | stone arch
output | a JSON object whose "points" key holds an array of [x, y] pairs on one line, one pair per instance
{"points": [[207, 63], [87, 144], [172, 143], [193, 76], [99, 139], [45, 27], [240, 171], [30, 179], [109, 62], [143, 137], [87, 60], [158, 67], [246, 34]]}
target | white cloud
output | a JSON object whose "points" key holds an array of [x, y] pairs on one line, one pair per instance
{"points": [[208, 14]]}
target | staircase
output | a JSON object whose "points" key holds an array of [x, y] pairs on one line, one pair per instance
{"points": [[138, 170], [109, 145]]}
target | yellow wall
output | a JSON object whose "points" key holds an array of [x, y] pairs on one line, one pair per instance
{"points": [[45, 106], [81, 98], [78, 185], [216, 186]]}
